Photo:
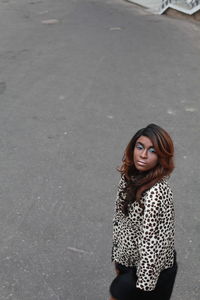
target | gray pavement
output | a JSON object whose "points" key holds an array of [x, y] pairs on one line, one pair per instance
{"points": [[77, 79]]}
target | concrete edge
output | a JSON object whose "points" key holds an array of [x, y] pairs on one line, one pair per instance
{"points": [[153, 10]]}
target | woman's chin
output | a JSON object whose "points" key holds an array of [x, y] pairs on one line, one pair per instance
{"points": [[141, 168]]}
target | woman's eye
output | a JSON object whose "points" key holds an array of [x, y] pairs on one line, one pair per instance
{"points": [[152, 150], [139, 147]]}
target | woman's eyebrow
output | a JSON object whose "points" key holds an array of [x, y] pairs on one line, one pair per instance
{"points": [[144, 145]]}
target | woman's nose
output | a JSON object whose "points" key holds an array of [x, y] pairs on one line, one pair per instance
{"points": [[144, 154]]}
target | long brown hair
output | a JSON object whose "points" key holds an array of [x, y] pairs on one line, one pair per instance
{"points": [[139, 182]]}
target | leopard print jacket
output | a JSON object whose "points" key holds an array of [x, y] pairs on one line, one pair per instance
{"points": [[145, 239]]}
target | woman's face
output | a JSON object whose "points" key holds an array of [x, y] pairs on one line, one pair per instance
{"points": [[144, 155]]}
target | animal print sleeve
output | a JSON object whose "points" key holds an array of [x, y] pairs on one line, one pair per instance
{"points": [[118, 214], [119, 199], [150, 244]]}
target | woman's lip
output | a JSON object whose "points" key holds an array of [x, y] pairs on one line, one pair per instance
{"points": [[141, 162]]}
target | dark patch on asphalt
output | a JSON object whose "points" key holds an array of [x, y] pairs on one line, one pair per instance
{"points": [[13, 55], [35, 1], [2, 87]]}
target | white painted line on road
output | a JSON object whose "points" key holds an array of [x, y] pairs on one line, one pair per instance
{"points": [[78, 250], [50, 21], [43, 12], [115, 28], [190, 109], [171, 112]]}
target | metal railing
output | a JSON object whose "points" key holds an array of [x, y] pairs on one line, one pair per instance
{"points": [[186, 4]]}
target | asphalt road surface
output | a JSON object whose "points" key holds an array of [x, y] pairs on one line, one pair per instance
{"points": [[77, 79]]}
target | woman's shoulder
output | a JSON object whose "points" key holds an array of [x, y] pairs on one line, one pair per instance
{"points": [[161, 185], [159, 190]]}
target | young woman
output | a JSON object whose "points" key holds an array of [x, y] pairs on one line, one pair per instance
{"points": [[143, 226]]}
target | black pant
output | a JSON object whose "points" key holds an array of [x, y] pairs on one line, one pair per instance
{"points": [[123, 286]]}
